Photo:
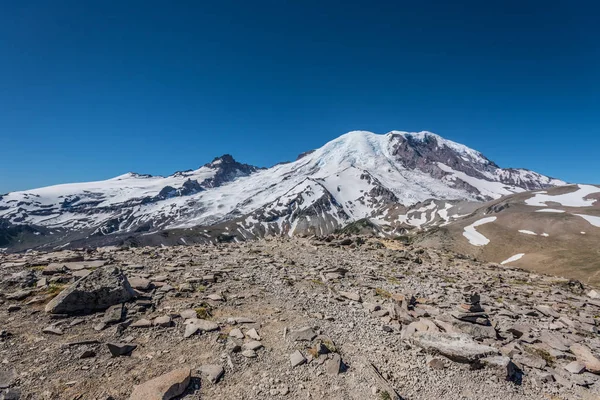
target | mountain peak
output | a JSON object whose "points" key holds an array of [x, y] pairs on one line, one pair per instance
{"points": [[357, 175], [224, 159], [227, 169], [129, 175], [369, 149]]}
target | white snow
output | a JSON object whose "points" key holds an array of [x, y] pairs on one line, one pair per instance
{"points": [[348, 188], [474, 237], [419, 217], [594, 220], [545, 234], [523, 176], [573, 199], [514, 258], [591, 219], [528, 232], [443, 213], [339, 164], [492, 189]]}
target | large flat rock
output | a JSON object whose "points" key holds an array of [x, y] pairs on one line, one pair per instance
{"points": [[164, 387], [585, 356], [458, 347], [104, 287]]}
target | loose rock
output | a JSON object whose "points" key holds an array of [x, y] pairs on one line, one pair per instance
{"points": [[120, 349], [213, 372], [296, 359], [103, 288], [164, 387]]}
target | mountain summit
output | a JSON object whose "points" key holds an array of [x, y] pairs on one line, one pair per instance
{"points": [[358, 175]]}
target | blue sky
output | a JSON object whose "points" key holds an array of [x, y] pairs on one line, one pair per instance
{"points": [[93, 89]]}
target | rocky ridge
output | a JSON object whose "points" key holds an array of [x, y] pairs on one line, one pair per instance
{"points": [[338, 318]]}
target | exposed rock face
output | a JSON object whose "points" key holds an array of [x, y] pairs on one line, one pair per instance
{"points": [[227, 169], [307, 209], [424, 152], [104, 287], [188, 187]]}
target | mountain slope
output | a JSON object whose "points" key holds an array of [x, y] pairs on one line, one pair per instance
{"points": [[555, 231], [358, 175]]}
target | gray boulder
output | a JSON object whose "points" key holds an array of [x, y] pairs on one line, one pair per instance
{"points": [[305, 334], [505, 365], [458, 347], [213, 372], [99, 290], [121, 349], [7, 377], [296, 358], [477, 331], [164, 387]]}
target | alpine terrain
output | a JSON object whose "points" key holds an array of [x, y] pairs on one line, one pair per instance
{"points": [[396, 266], [418, 186], [385, 178]]}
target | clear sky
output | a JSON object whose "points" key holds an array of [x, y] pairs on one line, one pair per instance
{"points": [[93, 89]]}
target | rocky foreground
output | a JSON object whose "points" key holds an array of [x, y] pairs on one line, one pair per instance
{"points": [[335, 318]]}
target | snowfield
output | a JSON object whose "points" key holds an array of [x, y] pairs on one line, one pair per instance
{"points": [[494, 190], [591, 219], [474, 237], [360, 172], [574, 199]]}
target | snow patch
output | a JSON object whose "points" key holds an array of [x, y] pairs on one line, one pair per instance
{"points": [[574, 199], [591, 219], [493, 189], [443, 213], [528, 232], [514, 258], [474, 237]]}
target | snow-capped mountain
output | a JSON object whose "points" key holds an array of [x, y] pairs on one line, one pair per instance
{"points": [[358, 175]]}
